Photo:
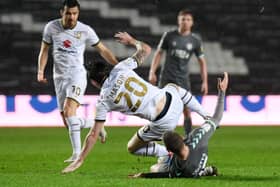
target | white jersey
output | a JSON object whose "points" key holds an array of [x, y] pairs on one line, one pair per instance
{"points": [[68, 46], [128, 93]]}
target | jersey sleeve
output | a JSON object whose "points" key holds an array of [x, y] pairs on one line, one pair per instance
{"points": [[219, 108], [129, 63], [163, 45], [101, 111], [199, 49], [47, 35], [92, 38]]}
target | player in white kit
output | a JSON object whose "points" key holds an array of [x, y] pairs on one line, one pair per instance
{"points": [[69, 38], [123, 90]]}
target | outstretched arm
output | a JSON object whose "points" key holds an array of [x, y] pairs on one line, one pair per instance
{"points": [[150, 175], [106, 53], [88, 145], [143, 49], [222, 87]]}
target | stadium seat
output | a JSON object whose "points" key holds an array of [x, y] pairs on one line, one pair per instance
{"points": [[234, 32]]}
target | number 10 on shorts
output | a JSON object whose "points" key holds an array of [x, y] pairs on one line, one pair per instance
{"points": [[76, 90]]}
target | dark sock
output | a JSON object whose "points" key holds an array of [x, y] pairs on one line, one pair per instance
{"points": [[187, 125]]}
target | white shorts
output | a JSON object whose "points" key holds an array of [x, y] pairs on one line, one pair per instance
{"points": [[73, 87], [155, 130]]}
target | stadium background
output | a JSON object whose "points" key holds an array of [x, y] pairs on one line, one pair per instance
{"points": [[241, 37]]}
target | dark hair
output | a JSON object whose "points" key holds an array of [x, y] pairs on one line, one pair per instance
{"points": [[184, 12], [70, 4], [98, 71], [173, 142]]}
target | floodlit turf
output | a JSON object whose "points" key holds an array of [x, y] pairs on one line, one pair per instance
{"points": [[245, 156]]}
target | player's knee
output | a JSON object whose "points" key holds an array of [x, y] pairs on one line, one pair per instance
{"points": [[130, 147], [133, 144], [154, 168], [68, 111], [70, 107]]}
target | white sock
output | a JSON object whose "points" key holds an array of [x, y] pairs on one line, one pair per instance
{"points": [[74, 125], [196, 106], [152, 149], [191, 102], [86, 123]]}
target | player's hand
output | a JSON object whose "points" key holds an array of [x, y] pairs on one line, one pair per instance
{"points": [[134, 176], [73, 166], [124, 38], [41, 78], [152, 78], [223, 84], [204, 88]]}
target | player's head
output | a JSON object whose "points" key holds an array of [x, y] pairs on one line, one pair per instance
{"points": [[185, 19], [98, 72], [174, 143], [70, 12]]}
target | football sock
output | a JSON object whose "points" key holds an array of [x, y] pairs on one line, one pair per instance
{"points": [[191, 102], [74, 125], [86, 123], [152, 149]]}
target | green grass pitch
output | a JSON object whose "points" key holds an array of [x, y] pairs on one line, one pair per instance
{"points": [[245, 156]]}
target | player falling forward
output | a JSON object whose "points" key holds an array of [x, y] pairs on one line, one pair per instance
{"points": [[190, 154], [123, 90], [68, 38]]}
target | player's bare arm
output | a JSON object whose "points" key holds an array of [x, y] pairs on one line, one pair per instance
{"points": [[154, 66], [149, 175], [222, 87], [89, 143], [106, 53], [204, 76], [143, 49], [42, 62], [223, 84]]}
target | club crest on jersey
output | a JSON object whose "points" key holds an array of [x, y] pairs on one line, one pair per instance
{"points": [[78, 34], [189, 46], [201, 48], [174, 43]]}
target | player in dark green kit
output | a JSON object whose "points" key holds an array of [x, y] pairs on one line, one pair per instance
{"points": [[179, 46], [190, 155]]}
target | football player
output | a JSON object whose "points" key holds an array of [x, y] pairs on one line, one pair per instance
{"points": [[190, 155], [123, 90], [179, 45], [68, 38]]}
